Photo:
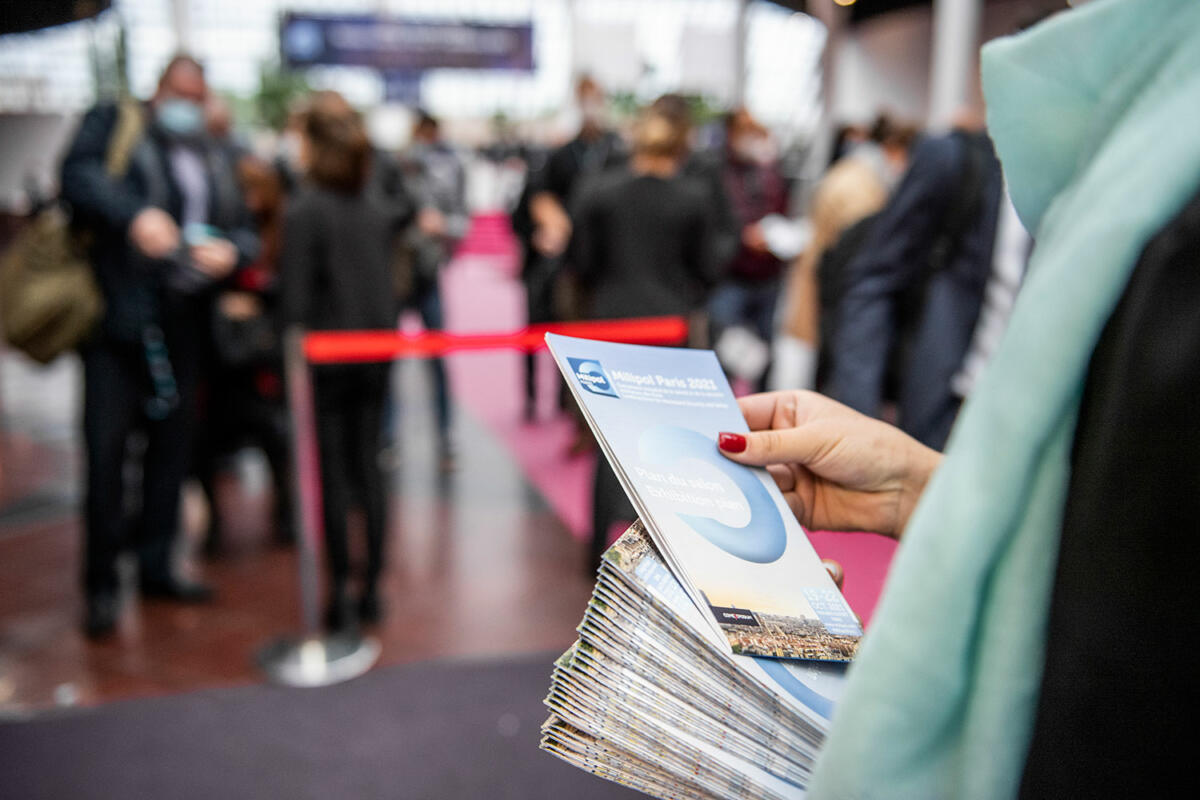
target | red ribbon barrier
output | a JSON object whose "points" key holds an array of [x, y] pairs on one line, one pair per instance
{"points": [[342, 347]]}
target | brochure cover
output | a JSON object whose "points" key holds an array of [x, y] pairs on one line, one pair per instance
{"points": [[723, 528]]}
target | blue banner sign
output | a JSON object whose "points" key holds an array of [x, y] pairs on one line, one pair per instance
{"points": [[400, 45], [402, 87]]}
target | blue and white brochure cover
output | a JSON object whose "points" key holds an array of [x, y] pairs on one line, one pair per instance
{"points": [[724, 528]]}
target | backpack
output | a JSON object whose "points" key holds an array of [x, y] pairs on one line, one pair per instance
{"points": [[49, 299]]}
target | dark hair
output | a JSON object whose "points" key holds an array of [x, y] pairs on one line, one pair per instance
{"points": [[425, 121], [889, 131], [339, 151], [180, 60]]}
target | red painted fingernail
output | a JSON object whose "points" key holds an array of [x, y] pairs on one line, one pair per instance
{"points": [[731, 442]]}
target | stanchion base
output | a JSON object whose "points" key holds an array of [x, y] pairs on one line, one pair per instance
{"points": [[318, 660]]}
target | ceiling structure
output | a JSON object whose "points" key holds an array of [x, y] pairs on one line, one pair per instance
{"points": [[22, 17]]}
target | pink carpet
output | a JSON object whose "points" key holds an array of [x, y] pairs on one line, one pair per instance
{"points": [[481, 292]]}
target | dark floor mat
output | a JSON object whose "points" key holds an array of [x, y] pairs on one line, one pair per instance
{"points": [[430, 730]]}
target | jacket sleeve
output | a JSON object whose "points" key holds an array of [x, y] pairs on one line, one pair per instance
{"points": [[237, 221], [458, 219], [393, 190], [726, 232], [892, 256], [586, 248], [703, 255], [86, 185], [298, 265]]}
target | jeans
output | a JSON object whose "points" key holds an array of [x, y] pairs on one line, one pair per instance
{"points": [[749, 304], [427, 299]]}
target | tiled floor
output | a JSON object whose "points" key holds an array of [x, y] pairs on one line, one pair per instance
{"points": [[478, 565]]}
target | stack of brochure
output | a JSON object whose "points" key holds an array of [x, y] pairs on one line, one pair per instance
{"points": [[714, 647], [650, 698]]}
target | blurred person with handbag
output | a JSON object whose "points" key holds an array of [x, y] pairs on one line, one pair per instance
{"points": [[164, 232], [439, 184]]}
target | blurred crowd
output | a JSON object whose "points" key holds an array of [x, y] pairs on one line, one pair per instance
{"points": [[886, 288]]}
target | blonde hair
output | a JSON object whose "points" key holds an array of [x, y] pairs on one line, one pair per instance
{"points": [[658, 134]]}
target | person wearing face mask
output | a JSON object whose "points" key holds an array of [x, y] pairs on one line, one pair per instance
{"points": [[746, 298], [542, 221], [164, 229]]}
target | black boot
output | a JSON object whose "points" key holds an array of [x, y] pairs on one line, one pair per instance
{"points": [[338, 615], [370, 610], [178, 590], [101, 617]]}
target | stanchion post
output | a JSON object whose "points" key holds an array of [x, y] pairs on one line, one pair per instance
{"points": [[306, 473], [313, 658]]}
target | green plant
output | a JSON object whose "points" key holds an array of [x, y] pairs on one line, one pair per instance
{"points": [[278, 89]]}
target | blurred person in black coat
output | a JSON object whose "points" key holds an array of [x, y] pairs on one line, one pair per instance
{"points": [[642, 247], [163, 234], [245, 400], [542, 218], [336, 274], [913, 291]]}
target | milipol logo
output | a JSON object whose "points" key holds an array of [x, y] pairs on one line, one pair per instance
{"points": [[591, 376]]}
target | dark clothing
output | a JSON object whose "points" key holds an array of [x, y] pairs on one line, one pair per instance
{"points": [[726, 231], [115, 390], [642, 248], [577, 159], [242, 401], [892, 260], [1114, 717], [144, 303], [547, 296], [336, 265], [754, 191], [641, 245], [134, 286], [439, 182], [349, 416], [336, 275]]}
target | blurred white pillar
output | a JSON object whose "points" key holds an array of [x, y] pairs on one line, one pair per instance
{"points": [[956, 26], [181, 24], [572, 11], [833, 16], [739, 52]]}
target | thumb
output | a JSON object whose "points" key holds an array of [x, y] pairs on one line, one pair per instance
{"points": [[778, 446]]}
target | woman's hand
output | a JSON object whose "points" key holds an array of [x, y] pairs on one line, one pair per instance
{"points": [[838, 469]]}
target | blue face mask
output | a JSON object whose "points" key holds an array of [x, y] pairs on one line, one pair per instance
{"points": [[179, 117]]}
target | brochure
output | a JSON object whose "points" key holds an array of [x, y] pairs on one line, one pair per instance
{"points": [[723, 528]]}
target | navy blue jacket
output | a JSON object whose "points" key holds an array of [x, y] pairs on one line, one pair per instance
{"points": [[892, 258]]}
